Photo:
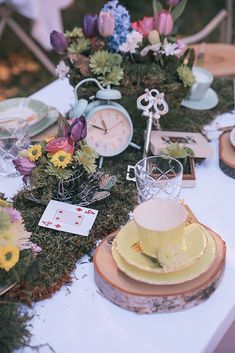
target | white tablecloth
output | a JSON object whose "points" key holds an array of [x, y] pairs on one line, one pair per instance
{"points": [[78, 319]]}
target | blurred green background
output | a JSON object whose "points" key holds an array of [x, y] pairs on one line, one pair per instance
{"points": [[20, 72]]}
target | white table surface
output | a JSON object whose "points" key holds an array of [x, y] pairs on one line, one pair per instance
{"points": [[78, 319]]}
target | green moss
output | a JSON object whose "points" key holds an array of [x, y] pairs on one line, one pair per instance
{"points": [[13, 331]]}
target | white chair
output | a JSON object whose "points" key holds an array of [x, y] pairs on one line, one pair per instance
{"points": [[224, 19]]}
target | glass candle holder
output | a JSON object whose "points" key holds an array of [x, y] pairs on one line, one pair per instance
{"points": [[14, 137], [158, 177]]}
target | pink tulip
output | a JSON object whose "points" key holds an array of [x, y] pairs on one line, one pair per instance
{"points": [[163, 22], [106, 23], [144, 26]]}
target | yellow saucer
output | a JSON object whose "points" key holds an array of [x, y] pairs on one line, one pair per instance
{"points": [[187, 274], [171, 257]]}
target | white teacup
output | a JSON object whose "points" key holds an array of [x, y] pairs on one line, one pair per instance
{"points": [[160, 222], [204, 79]]}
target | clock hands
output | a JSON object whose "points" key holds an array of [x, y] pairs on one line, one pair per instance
{"points": [[104, 125], [113, 126], [104, 128], [98, 127]]}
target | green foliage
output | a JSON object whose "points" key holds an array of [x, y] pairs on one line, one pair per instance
{"points": [[157, 6], [58, 173], [79, 47], [179, 9]]}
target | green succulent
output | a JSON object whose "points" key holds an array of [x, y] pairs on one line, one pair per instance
{"points": [[115, 59], [175, 150], [75, 33], [78, 47], [100, 62], [186, 75], [107, 67], [113, 77]]}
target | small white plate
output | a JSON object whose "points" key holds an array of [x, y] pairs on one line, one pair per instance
{"points": [[232, 137], [209, 101], [28, 109]]}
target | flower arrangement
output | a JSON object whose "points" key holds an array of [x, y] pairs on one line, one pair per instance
{"points": [[13, 237], [115, 51], [63, 167]]}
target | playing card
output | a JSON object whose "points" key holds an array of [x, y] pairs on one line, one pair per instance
{"points": [[68, 218]]}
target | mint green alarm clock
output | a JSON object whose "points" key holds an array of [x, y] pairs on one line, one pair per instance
{"points": [[109, 126]]}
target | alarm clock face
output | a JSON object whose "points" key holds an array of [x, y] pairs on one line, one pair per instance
{"points": [[109, 131]]}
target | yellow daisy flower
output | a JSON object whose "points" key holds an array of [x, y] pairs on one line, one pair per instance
{"points": [[4, 203], [61, 159], [9, 256], [49, 138], [34, 152]]}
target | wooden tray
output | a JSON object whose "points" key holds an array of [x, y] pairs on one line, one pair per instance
{"points": [[227, 155], [145, 298]]}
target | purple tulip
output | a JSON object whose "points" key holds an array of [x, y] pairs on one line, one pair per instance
{"points": [[78, 129], [90, 26], [163, 22], [106, 23], [24, 166], [58, 41], [172, 2]]}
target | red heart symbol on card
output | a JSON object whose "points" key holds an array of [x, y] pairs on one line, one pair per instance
{"points": [[47, 223], [89, 212], [79, 209]]}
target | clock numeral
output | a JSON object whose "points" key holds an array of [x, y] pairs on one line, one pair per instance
{"points": [[113, 145], [120, 139], [97, 144]]}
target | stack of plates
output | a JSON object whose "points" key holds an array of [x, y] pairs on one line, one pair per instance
{"points": [[38, 115], [196, 258]]}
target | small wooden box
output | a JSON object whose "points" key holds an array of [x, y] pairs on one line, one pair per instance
{"points": [[189, 180], [197, 142]]}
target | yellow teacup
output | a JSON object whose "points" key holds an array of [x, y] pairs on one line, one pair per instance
{"points": [[160, 222]]}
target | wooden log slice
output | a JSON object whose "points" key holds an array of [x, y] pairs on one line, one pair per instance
{"points": [[145, 298], [227, 155]]}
